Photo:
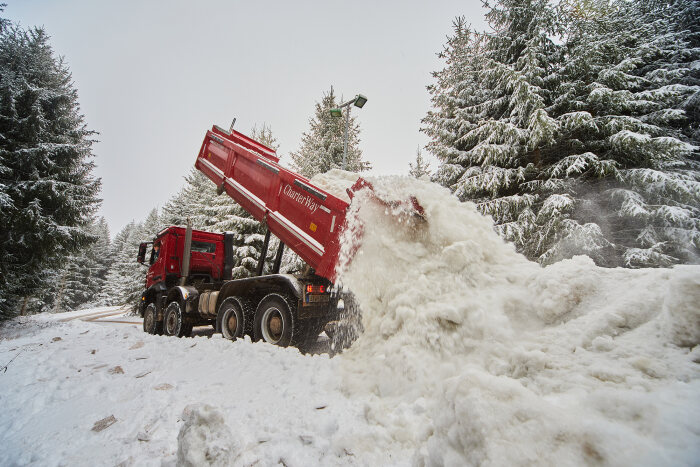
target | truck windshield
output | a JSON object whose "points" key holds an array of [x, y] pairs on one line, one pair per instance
{"points": [[203, 247]]}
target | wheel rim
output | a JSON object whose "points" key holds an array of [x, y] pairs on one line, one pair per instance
{"points": [[272, 325], [171, 323], [230, 324], [149, 318]]}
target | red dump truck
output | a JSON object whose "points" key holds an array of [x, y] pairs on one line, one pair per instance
{"points": [[189, 279]]}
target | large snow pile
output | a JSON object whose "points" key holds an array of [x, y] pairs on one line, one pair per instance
{"points": [[471, 355], [474, 355], [336, 182]]}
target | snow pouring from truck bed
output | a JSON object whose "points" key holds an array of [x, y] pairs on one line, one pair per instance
{"points": [[472, 354]]}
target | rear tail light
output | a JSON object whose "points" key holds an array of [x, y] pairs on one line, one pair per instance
{"points": [[315, 288]]}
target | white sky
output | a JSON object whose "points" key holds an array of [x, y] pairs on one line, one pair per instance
{"points": [[153, 76]]}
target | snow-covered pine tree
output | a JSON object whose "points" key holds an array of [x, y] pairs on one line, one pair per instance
{"points": [[225, 215], [490, 126], [110, 291], [199, 201], [421, 167], [73, 285], [322, 146], [264, 135], [628, 126], [587, 147], [4, 22], [100, 253], [79, 282], [48, 193], [191, 202], [126, 277]]}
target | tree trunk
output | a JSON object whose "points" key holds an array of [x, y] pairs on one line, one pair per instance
{"points": [[23, 310], [59, 297]]}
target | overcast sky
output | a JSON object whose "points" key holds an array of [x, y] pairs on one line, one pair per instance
{"points": [[153, 76]]}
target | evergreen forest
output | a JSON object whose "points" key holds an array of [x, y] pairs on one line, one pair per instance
{"points": [[574, 124]]}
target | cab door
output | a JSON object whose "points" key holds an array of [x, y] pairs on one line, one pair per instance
{"points": [[157, 258], [203, 259]]}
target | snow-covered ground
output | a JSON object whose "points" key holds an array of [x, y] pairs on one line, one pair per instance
{"points": [[471, 355], [251, 402]]}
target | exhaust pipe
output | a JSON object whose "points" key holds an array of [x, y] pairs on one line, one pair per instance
{"points": [[186, 253]]}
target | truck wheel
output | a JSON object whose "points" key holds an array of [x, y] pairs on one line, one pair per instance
{"points": [[274, 320], [233, 319], [151, 325], [174, 322], [309, 330]]}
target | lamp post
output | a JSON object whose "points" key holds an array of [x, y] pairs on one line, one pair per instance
{"points": [[359, 101]]}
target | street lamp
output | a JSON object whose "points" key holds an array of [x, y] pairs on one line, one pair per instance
{"points": [[359, 101]]}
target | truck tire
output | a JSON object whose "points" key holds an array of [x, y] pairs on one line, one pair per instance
{"points": [[274, 320], [174, 322], [234, 318], [309, 331], [151, 325]]}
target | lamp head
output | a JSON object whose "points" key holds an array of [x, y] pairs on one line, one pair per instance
{"points": [[360, 100]]}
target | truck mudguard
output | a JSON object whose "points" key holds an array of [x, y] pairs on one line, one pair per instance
{"points": [[186, 294], [265, 284]]}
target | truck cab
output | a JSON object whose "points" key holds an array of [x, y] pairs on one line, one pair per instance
{"points": [[207, 260]]}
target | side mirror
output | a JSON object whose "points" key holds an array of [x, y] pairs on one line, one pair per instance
{"points": [[142, 252]]}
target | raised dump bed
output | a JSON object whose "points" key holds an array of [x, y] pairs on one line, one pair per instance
{"points": [[304, 217]]}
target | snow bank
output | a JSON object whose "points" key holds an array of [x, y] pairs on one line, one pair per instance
{"points": [[471, 355], [170, 401], [474, 355]]}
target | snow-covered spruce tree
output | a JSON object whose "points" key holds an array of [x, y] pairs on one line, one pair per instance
{"points": [[264, 135], [489, 125], [109, 293], [100, 251], [79, 282], [199, 201], [605, 165], [628, 126], [421, 168], [322, 146], [190, 202], [48, 193], [126, 278], [225, 215]]}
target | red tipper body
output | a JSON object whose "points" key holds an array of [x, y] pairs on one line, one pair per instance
{"points": [[304, 217]]}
